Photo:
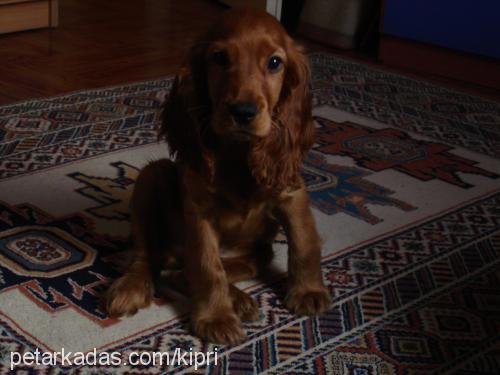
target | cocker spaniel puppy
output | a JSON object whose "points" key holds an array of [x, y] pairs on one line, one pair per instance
{"points": [[238, 123]]}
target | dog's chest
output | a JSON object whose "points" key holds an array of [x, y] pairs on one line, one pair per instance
{"points": [[230, 220], [240, 225]]}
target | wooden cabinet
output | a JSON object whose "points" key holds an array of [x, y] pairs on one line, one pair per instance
{"points": [[17, 15]]}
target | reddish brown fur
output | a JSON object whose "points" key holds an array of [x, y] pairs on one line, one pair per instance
{"points": [[229, 187]]}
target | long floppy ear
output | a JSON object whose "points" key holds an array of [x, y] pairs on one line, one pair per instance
{"points": [[186, 114], [277, 160], [295, 107]]}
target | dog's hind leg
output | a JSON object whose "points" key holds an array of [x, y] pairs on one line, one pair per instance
{"points": [[245, 268], [240, 268], [152, 205], [133, 290]]}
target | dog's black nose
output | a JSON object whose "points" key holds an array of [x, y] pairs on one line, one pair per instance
{"points": [[243, 112]]}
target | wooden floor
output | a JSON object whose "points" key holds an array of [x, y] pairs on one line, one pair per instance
{"points": [[100, 43]]}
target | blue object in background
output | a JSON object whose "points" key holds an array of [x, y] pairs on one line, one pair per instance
{"points": [[465, 25]]}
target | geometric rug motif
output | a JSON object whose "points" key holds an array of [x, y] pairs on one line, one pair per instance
{"points": [[485, 363], [42, 133], [406, 103], [336, 188], [409, 343], [381, 149], [113, 194], [35, 135], [58, 263], [369, 297], [416, 294], [332, 189], [404, 345], [86, 118], [377, 319], [142, 131], [455, 272]]}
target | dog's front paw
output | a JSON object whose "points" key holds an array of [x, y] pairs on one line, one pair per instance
{"points": [[224, 329], [304, 301], [127, 295]]}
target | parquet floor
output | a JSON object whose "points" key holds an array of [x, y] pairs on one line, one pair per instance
{"points": [[101, 43]]}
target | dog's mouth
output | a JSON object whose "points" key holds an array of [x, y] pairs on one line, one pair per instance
{"points": [[243, 134], [231, 129]]}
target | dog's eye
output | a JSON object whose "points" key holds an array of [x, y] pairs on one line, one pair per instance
{"points": [[275, 63], [221, 58]]}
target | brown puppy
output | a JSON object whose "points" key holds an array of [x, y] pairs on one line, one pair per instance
{"points": [[238, 122]]}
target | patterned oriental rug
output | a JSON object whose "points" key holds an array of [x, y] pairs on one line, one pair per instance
{"points": [[404, 181]]}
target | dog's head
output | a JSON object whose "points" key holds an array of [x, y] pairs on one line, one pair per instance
{"points": [[246, 82]]}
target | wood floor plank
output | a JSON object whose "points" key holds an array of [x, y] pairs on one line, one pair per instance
{"points": [[100, 43]]}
